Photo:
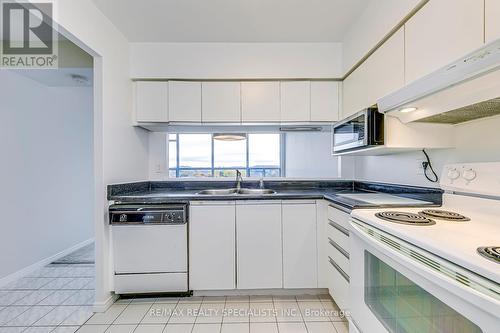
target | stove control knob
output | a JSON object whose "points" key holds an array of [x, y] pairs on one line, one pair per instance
{"points": [[469, 175], [453, 174]]}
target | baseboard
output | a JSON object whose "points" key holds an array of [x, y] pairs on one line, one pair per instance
{"points": [[103, 306], [259, 292], [31, 268]]}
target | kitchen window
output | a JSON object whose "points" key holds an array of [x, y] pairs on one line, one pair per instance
{"points": [[202, 155]]}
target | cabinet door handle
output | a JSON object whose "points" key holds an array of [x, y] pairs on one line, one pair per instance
{"points": [[338, 227], [340, 270], [338, 247]]}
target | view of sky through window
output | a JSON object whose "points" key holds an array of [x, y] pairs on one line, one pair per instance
{"points": [[200, 155]]}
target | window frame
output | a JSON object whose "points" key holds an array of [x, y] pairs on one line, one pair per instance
{"points": [[213, 169]]}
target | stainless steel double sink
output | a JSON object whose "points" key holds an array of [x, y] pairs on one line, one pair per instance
{"points": [[241, 191]]}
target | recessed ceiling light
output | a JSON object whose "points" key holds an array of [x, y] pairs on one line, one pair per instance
{"points": [[406, 110]]}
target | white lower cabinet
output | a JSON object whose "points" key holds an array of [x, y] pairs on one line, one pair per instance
{"points": [[262, 244], [212, 246], [299, 245], [259, 245]]}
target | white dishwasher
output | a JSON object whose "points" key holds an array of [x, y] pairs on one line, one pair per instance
{"points": [[149, 248]]}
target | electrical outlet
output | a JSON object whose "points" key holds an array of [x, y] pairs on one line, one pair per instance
{"points": [[420, 168]]}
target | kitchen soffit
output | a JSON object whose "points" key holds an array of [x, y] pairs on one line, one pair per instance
{"points": [[232, 20]]}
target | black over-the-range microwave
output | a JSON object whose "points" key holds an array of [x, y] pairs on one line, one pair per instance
{"points": [[362, 130]]}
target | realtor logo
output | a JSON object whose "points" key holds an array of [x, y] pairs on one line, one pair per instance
{"points": [[28, 35]]}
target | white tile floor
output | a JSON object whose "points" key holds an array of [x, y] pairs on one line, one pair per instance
{"points": [[262, 314], [58, 298], [55, 298]]}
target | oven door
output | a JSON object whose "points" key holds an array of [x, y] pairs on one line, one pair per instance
{"points": [[351, 133], [397, 287]]}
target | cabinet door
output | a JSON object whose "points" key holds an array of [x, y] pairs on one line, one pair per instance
{"points": [[151, 101], [299, 245], [184, 103], [212, 246], [260, 101], [381, 74], [441, 32], [258, 243], [492, 23], [295, 101], [221, 102], [325, 101]]}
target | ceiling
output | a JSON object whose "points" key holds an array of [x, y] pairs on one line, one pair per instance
{"points": [[232, 20]]}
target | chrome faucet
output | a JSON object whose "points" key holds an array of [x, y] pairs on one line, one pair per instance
{"points": [[261, 182], [239, 179]]}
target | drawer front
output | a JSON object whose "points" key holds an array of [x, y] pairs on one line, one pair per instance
{"points": [[338, 234], [338, 216], [338, 255], [338, 285]]}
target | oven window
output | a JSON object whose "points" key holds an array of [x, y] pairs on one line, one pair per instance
{"points": [[402, 306], [350, 132]]}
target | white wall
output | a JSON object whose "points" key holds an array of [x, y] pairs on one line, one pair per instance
{"points": [[46, 174], [158, 153], [121, 151], [308, 156], [235, 60], [378, 19], [476, 141]]}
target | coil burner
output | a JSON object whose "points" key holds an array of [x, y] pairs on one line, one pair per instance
{"points": [[405, 218], [444, 215], [490, 252]]}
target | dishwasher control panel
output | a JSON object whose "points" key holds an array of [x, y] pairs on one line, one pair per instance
{"points": [[148, 214]]}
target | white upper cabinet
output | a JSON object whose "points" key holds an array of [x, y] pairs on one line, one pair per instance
{"points": [[441, 32], [184, 102], [212, 247], [381, 74], [258, 243], [260, 101], [492, 21], [236, 102], [299, 245], [295, 101], [325, 101], [221, 102], [151, 101]]}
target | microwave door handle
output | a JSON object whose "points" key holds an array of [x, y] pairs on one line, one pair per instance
{"points": [[378, 123], [366, 139]]}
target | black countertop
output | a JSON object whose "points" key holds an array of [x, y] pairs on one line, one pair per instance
{"points": [[333, 191]]}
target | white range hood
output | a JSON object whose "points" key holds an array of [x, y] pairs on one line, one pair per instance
{"points": [[466, 89]]}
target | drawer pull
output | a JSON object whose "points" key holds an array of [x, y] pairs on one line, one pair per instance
{"points": [[340, 270], [338, 227], [338, 247]]}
